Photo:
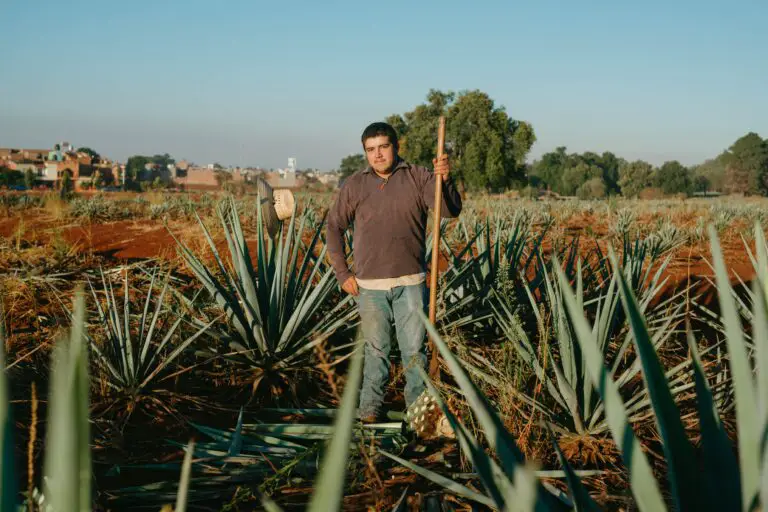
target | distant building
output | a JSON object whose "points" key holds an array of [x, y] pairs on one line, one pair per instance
{"points": [[202, 178], [50, 165], [282, 179], [30, 166], [22, 155], [328, 178]]}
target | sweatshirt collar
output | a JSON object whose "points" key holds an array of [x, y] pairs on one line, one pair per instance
{"points": [[399, 163]]}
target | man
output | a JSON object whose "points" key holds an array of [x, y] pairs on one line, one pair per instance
{"points": [[387, 205]]}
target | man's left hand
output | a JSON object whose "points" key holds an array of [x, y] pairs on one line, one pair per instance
{"points": [[442, 167]]}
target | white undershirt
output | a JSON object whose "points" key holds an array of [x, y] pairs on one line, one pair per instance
{"points": [[391, 282]]}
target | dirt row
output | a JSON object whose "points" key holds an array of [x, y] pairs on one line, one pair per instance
{"points": [[139, 239]]}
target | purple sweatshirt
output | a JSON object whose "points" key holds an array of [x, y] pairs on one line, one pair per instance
{"points": [[388, 219]]}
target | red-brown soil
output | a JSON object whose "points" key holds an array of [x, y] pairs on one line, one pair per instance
{"points": [[144, 238], [123, 240]]}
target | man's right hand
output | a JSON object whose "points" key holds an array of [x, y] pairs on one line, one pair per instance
{"points": [[350, 286]]}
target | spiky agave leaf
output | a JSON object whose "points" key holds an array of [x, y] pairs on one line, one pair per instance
{"points": [[760, 312], [329, 485], [186, 471], [722, 480], [749, 435], [500, 489], [67, 465], [9, 497], [751, 397]]}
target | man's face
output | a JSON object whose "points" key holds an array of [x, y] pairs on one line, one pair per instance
{"points": [[380, 153]]}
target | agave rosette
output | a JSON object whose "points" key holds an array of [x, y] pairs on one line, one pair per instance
{"points": [[277, 301]]}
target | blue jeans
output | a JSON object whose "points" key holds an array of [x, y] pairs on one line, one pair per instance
{"points": [[380, 310]]}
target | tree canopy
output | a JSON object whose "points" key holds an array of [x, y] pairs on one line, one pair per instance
{"points": [[163, 160], [634, 177], [673, 178], [748, 156], [564, 173], [90, 152], [350, 164], [487, 147]]}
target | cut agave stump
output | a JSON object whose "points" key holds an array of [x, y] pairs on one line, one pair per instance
{"points": [[276, 206], [427, 420]]}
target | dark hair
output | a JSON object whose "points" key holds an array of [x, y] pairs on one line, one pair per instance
{"points": [[376, 129]]}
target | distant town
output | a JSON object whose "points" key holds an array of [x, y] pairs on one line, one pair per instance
{"points": [[84, 169]]}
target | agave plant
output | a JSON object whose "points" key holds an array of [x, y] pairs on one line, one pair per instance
{"points": [[722, 216], [745, 296], [257, 454], [625, 221], [492, 257], [714, 479], [66, 478], [667, 238], [564, 377], [511, 483], [278, 305], [136, 355]]}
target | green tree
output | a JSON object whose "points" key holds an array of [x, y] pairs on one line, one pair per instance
{"points": [[713, 171], [163, 160], [577, 175], [417, 129], [97, 180], [634, 177], [66, 184], [673, 178], [548, 170], [701, 183], [749, 154], [351, 164], [90, 152], [610, 165], [29, 179], [593, 188], [10, 177], [487, 147], [133, 169], [737, 180]]}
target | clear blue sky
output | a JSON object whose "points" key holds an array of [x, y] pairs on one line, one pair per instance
{"points": [[254, 82]]}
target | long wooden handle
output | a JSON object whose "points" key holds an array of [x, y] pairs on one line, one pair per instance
{"points": [[434, 366]]}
